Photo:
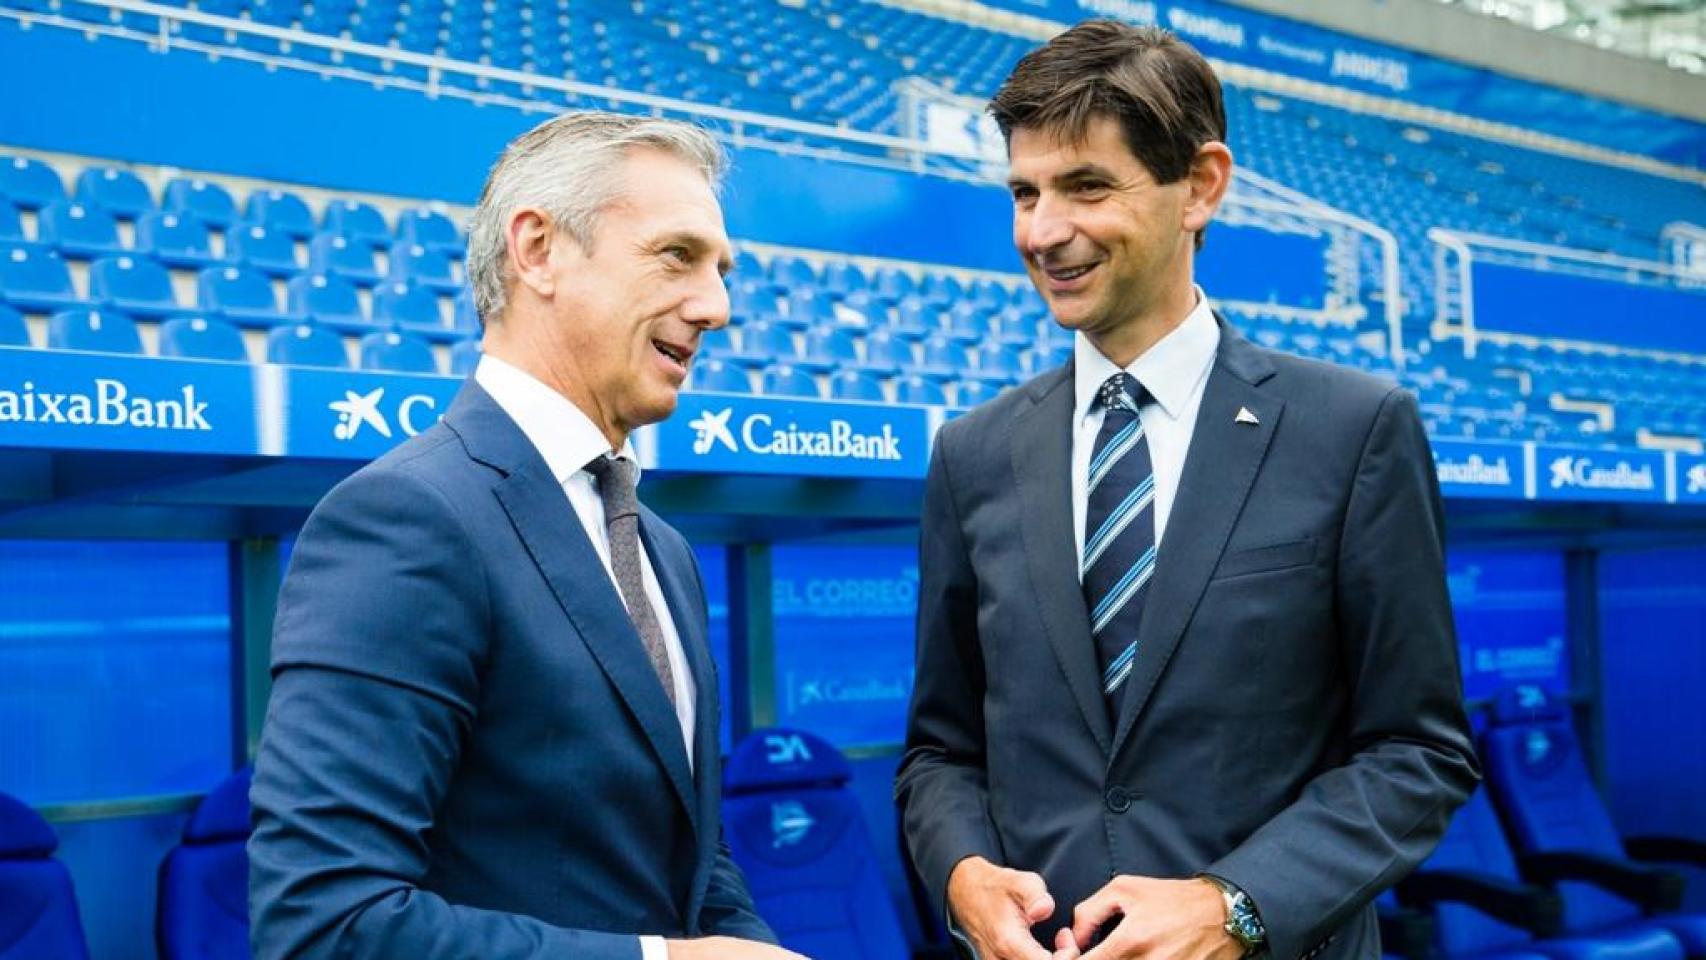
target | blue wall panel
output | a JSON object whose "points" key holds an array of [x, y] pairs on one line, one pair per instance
{"points": [[1566, 307], [1510, 616]]}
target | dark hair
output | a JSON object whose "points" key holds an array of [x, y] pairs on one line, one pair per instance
{"points": [[1162, 92]]}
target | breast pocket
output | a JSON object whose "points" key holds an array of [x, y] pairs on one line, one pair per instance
{"points": [[1268, 559]]}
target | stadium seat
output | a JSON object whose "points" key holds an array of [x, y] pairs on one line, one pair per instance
{"points": [[13, 331], [892, 284], [427, 228], [915, 318], [397, 353], [829, 349], [1472, 890], [202, 912], [93, 331], [208, 202], [840, 277], [751, 300], [327, 299], [764, 343], [944, 358], [344, 256], [242, 296], [271, 251], [887, 353], [11, 224], [719, 376], [30, 184], [998, 363], [422, 265], [135, 285], [35, 280], [856, 385], [175, 239], [118, 192], [782, 380], [463, 317], [1560, 826], [464, 357], [921, 390], [792, 273], [356, 220], [38, 904], [197, 338], [970, 393], [808, 309], [305, 345], [280, 211], [78, 232], [795, 828], [410, 306]]}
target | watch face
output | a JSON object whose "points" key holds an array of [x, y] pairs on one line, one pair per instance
{"points": [[1243, 916]]}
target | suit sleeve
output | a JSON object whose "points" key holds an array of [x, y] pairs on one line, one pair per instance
{"points": [[942, 784], [728, 908], [1359, 827], [377, 653]]}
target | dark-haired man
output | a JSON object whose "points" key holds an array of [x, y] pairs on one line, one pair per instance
{"points": [[1187, 681]]}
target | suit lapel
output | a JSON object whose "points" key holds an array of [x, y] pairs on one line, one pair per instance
{"points": [[1220, 467], [1042, 464], [554, 538]]}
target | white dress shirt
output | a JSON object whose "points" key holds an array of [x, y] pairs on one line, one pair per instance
{"points": [[1174, 371], [567, 439]]}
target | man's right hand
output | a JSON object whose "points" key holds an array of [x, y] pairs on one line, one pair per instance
{"points": [[995, 907], [726, 948]]}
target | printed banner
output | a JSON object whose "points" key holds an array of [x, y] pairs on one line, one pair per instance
{"points": [[1629, 476], [724, 433], [1469, 468]]}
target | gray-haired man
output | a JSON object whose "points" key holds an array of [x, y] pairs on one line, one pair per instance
{"points": [[493, 727]]}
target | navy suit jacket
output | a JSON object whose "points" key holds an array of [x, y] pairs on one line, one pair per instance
{"points": [[1293, 722], [466, 752]]}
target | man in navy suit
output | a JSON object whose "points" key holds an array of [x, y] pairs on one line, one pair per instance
{"points": [[1187, 682], [493, 724]]}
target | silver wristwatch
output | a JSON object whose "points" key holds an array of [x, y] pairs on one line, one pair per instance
{"points": [[1243, 923]]}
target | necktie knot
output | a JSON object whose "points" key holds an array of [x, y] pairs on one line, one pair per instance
{"points": [[618, 482], [1120, 392]]}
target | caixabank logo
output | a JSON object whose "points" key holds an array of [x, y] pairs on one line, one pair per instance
{"points": [[1478, 470], [83, 400], [1690, 479], [335, 414], [1602, 475], [105, 402], [767, 436]]}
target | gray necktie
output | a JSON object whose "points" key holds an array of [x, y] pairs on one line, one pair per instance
{"points": [[617, 479]]}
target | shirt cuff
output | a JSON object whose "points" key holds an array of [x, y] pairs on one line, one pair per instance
{"points": [[652, 948]]}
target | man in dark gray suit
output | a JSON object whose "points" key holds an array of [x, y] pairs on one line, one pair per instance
{"points": [[493, 724], [1187, 680]]}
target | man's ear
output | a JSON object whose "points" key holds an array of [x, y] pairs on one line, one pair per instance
{"points": [[531, 236], [1210, 176]]}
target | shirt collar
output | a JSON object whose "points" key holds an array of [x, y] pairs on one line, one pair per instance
{"points": [[562, 433], [1170, 370]]}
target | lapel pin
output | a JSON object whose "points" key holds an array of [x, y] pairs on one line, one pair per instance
{"points": [[1245, 416]]}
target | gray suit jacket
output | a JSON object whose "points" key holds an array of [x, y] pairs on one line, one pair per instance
{"points": [[467, 752], [1294, 719]]}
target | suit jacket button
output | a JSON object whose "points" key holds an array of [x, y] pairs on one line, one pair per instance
{"points": [[1119, 801]]}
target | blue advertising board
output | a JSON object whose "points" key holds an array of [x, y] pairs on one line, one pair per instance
{"points": [[1477, 470], [725, 433], [844, 640], [1511, 619], [1575, 473], [1688, 479]]}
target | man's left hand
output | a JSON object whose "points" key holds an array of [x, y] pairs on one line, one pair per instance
{"points": [[1158, 920]]}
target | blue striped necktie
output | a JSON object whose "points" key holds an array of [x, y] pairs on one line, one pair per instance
{"points": [[1119, 527]]}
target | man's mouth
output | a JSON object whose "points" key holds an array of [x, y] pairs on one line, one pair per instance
{"points": [[1067, 274], [678, 355]]}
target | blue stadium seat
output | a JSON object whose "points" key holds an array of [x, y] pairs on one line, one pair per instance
{"points": [[202, 912], [970, 323], [792, 273], [944, 358], [463, 317], [464, 357], [1471, 888], [30, 184], [829, 349], [262, 248], [208, 202], [748, 269], [719, 376], [281, 211], [38, 905], [240, 295], [410, 306], [998, 363], [134, 285], [941, 289], [752, 300], [782, 380], [344, 256], [397, 353], [78, 232], [1549, 802], [763, 343], [840, 277], [856, 385], [119, 192], [35, 280], [197, 338], [893, 284], [428, 228], [418, 264], [175, 239], [887, 353], [11, 224], [795, 828], [356, 220], [305, 345], [13, 331], [922, 390], [93, 331], [327, 299], [970, 393]]}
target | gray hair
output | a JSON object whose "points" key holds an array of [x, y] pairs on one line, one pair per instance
{"points": [[566, 167]]}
